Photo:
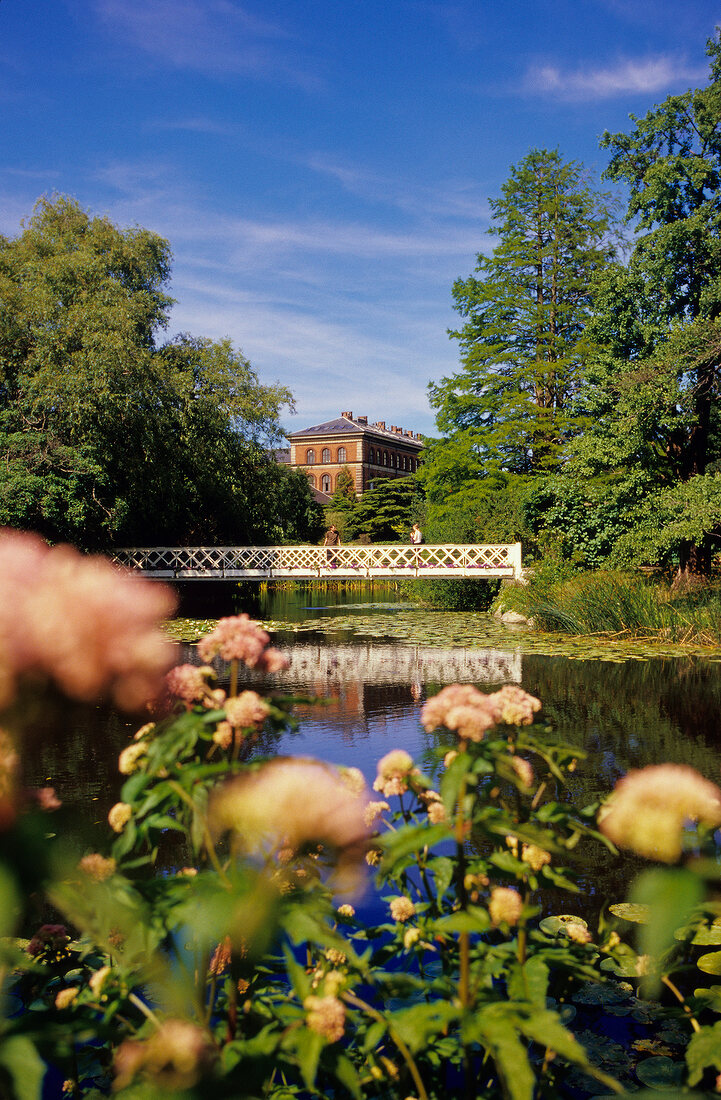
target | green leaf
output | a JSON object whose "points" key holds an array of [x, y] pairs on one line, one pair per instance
{"points": [[25, 1066], [661, 1073], [529, 981], [452, 780], [672, 895], [636, 914], [710, 963], [346, 1073], [442, 868], [409, 839], [309, 1046], [499, 1036], [704, 1049]]}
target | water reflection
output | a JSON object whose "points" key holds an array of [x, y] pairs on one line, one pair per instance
{"points": [[623, 715]]}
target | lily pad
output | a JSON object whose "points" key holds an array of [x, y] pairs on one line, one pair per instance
{"points": [[710, 963], [707, 936], [555, 926], [637, 914], [661, 1073]]}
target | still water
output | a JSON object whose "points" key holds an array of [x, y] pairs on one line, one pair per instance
{"points": [[374, 661]]}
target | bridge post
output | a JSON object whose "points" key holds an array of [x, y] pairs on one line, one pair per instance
{"points": [[514, 559]]}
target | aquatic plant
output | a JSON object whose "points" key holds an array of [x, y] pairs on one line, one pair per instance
{"points": [[212, 947]]}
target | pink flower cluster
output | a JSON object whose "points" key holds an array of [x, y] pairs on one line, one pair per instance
{"points": [[292, 802], [650, 807], [470, 713], [79, 621], [394, 773], [239, 638]]}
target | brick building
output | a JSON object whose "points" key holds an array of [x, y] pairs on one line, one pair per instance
{"points": [[368, 450]]}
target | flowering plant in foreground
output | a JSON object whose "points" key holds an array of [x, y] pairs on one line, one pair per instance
{"points": [[214, 946]]}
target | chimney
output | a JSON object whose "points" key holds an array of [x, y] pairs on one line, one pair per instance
{"points": [[349, 416], [382, 425], [362, 419]]}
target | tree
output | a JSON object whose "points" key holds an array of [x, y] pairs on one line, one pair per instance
{"points": [[387, 511], [108, 436], [342, 507], [652, 395], [509, 411]]}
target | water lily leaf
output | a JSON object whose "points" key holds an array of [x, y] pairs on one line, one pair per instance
{"points": [[638, 914], [661, 1073], [710, 963], [555, 926]]}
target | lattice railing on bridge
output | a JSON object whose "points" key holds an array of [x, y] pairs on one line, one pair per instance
{"points": [[258, 562]]}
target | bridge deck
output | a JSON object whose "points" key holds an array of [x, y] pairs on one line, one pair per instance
{"points": [[189, 563]]}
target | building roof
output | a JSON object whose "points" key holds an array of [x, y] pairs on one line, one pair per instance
{"points": [[346, 424]]}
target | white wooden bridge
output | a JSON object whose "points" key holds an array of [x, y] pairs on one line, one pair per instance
{"points": [[220, 563]]}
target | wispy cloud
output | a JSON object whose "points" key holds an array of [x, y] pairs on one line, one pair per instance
{"points": [[192, 124], [209, 36], [626, 76], [445, 199]]}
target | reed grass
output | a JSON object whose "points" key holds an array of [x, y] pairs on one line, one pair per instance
{"points": [[616, 604]]}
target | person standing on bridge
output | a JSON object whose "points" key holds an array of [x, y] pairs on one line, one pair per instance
{"points": [[332, 538], [416, 535]]}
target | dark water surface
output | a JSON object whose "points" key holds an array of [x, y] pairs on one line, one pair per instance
{"points": [[622, 713]]}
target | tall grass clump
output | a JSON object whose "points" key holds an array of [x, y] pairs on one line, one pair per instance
{"points": [[615, 603]]}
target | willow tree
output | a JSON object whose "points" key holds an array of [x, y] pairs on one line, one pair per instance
{"points": [[523, 342]]}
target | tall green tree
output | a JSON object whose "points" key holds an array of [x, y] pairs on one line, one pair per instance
{"points": [[509, 411], [652, 393], [107, 435]]}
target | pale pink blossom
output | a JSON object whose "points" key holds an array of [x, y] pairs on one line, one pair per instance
{"points": [[188, 682], [514, 706], [119, 815], [470, 713], [81, 622], [97, 867], [223, 735], [535, 857], [47, 799], [577, 932], [394, 771], [436, 813], [373, 811], [172, 1059], [649, 808], [98, 979], [292, 802], [505, 905], [461, 708], [65, 997], [346, 911], [326, 1016], [523, 770], [402, 909], [239, 638], [246, 711], [129, 759], [353, 779]]}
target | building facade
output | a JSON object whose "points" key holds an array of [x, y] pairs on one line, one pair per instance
{"points": [[369, 451]]}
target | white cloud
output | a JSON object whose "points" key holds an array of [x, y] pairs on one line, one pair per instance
{"points": [[209, 36], [627, 76]]}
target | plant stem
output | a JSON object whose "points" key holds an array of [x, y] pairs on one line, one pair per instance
{"points": [[679, 995], [351, 999]]}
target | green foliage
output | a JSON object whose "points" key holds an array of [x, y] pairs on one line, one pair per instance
{"points": [[109, 437], [558, 598], [523, 343], [385, 513]]}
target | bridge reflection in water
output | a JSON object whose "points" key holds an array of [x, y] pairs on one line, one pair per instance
{"points": [[194, 563]]}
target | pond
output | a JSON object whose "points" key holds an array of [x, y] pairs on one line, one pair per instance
{"points": [[374, 660]]}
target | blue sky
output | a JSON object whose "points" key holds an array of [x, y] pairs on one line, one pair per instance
{"points": [[322, 168]]}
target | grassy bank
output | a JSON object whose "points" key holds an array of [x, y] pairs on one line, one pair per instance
{"points": [[617, 605]]}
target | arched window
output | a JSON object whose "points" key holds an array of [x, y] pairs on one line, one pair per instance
{"points": [[337, 480], [325, 454], [310, 457], [311, 479], [325, 483], [385, 458], [371, 456], [342, 454]]}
